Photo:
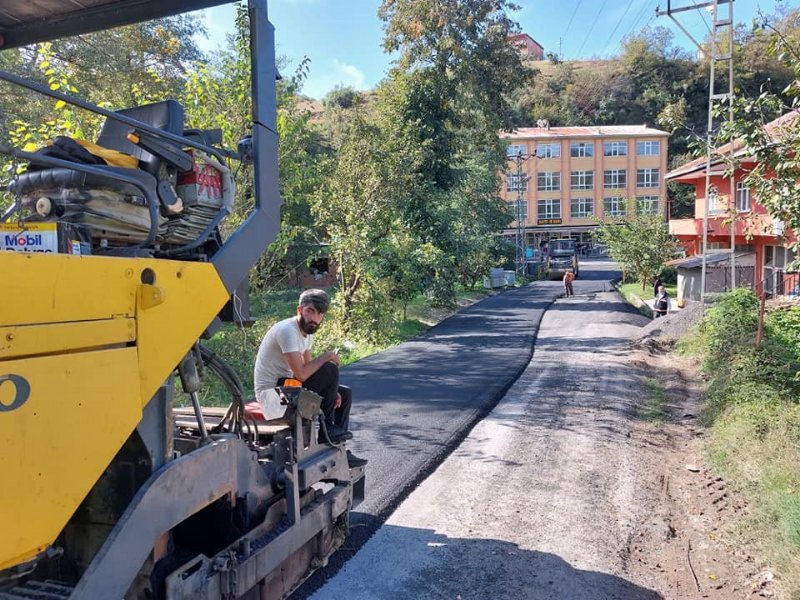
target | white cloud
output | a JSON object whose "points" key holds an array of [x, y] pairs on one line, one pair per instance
{"points": [[322, 79]]}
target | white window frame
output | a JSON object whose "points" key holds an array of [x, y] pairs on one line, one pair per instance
{"points": [[548, 181], [614, 206], [581, 207], [615, 148], [549, 205], [548, 150], [649, 177], [611, 179], [513, 150], [647, 205], [648, 147], [512, 205], [578, 180], [581, 149], [512, 185], [743, 200]]}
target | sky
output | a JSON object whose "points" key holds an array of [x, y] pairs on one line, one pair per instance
{"points": [[343, 38]]}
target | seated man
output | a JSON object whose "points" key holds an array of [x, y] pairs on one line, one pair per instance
{"points": [[285, 353]]}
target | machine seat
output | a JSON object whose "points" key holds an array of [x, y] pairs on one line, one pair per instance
{"points": [[166, 115], [185, 419]]}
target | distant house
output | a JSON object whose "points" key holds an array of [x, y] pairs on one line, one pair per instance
{"points": [[755, 232], [527, 45]]}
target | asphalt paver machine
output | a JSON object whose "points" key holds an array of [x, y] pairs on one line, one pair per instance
{"points": [[112, 268]]}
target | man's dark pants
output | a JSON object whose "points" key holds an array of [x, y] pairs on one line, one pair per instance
{"points": [[325, 382]]}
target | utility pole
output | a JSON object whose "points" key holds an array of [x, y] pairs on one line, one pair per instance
{"points": [[721, 24], [521, 216]]}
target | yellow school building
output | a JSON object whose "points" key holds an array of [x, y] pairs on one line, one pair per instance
{"points": [[560, 180]]}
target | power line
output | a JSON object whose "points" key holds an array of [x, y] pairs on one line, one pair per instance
{"points": [[610, 37], [702, 15], [599, 12], [574, 12], [634, 23]]}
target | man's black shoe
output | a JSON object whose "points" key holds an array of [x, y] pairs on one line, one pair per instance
{"points": [[354, 461]]}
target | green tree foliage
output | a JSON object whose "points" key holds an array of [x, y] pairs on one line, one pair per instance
{"points": [[451, 88], [775, 177], [342, 96], [357, 206], [641, 243]]}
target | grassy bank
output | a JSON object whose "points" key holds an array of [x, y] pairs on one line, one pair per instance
{"points": [[629, 290], [752, 405], [238, 346]]}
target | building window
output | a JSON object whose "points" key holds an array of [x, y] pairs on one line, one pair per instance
{"points": [[647, 178], [581, 150], [582, 207], [614, 179], [523, 206], [614, 207], [549, 181], [615, 148], [742, 197], [582, 180], [779, 280], [548, 150], [549, 209], [516, 183], [648, 148], [647, 205], [515, 150]]}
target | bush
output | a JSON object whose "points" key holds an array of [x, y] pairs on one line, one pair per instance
{"points": [[730, 323], [740, 372], [784, 327], [669, 276]]}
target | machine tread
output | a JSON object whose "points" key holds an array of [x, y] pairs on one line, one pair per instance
{"points": [[38, 590]]}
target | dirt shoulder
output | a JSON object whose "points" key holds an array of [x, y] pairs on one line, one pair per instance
{"points": [[686, 547]]}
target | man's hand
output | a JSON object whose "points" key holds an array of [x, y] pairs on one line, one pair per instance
{"points": [[332, 356], [338, 402]]}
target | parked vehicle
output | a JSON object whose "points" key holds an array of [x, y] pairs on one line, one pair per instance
{"points": [[562, 256]]}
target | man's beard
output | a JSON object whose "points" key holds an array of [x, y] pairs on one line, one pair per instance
{"points": [[307, 327]]}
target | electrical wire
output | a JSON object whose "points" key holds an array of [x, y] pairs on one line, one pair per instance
{"points": [[640, 14], [610, 37], [574, 12], [599, 12], [702, 15]]}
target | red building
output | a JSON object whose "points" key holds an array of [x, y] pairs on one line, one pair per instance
{"points": [[759, 240], [527, 45]]}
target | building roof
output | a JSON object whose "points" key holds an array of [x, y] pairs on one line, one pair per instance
{"points": [[696, 262], [595, 131], [773, 129], [515, 36]]}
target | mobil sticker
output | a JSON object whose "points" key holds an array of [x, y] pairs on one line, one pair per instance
{"points": [[31, 237]]}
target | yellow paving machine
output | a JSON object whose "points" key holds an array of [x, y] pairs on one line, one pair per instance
{"points": [[113, 267]]}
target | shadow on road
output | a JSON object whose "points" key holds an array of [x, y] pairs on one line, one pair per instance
{"points": [[434, 565]]}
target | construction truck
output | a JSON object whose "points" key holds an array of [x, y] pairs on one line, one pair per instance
{"points": [[562, 256], [114, 267]]}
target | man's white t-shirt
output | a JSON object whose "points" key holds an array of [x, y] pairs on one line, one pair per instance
{"points": [[285, 336]]}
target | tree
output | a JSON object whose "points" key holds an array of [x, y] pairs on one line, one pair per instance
{"points": [[358, 205], [452, 90], [641, 243], [775, 178], [342, 96]]}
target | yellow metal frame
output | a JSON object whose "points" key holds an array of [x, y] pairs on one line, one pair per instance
{"points": [[93, 338]]}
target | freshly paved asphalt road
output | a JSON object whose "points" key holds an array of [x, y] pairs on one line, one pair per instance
{"points": [[414, 403]]}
